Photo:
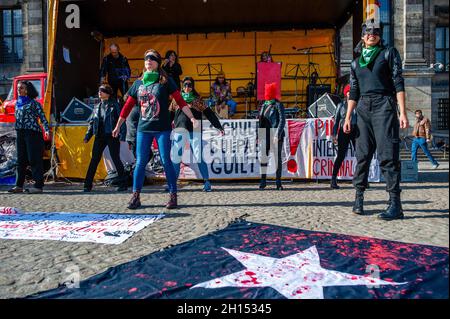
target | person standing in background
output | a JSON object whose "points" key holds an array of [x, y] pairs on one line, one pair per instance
{"points": [[422, 136], [116, 70]]}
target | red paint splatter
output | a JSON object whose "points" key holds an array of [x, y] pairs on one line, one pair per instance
{"points": [[250, 273], [170, 283], [188, 284]]}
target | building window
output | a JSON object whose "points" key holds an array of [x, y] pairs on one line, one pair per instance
{"points": [[11, 37], [386, 19], [442, 46], [442, 114]]}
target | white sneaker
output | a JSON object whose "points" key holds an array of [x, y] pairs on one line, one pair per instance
{"points": [[435, 166]]}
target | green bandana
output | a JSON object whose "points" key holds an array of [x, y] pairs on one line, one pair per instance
{"points": [[188, 97], [150, 77], [269, 102], [368, 55]]}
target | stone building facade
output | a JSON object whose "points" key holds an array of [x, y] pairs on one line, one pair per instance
{"points": [[413, 29], [23, 39]]}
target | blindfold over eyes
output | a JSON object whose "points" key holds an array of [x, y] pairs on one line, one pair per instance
{"points": [[372, 31], [105, 90], [153, 58], [187, 84]]}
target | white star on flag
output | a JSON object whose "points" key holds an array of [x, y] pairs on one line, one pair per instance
{"points": [[298, 276]]}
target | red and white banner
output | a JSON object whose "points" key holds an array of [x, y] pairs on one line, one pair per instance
{"points": [[308, 152], [73, 227]]}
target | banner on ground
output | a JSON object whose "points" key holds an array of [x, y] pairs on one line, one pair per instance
{"points": [[73, 227]]}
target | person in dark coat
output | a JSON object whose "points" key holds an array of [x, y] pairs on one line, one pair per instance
{"points": [[341, 139], [272, 120], [101, 124], [173, 67]]}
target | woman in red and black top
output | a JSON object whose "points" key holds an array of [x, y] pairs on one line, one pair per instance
{"points": [[151, 92]]}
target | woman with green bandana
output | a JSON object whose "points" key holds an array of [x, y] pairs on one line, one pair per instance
{"points": [[377, 92], [151, 93], [272, 120], [184, 130]]}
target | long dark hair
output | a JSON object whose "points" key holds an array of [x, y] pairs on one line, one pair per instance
{"points": [[163, 77], [32, 93], [168, 53], [189, 78], [221, 74]]}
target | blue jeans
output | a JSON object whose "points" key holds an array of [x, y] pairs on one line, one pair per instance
{"points": [[231, 104], [179, 141], [144, 142], [422, 143]]}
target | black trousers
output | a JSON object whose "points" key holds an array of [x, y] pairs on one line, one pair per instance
{"points": [[343, 140], [265, 156], [119, 85], [378, 129], [30, 149], [97, 150]]}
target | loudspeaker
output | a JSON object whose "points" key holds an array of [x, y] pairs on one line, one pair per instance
{"points": [[314, 91], [77, 112], [325, 106]]}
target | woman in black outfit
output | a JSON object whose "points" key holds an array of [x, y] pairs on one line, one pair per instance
{"points": [[184, 130], [340, 138], [172, 67], [101, 124], [271, 117]]}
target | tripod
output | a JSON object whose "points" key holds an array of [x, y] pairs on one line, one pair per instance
{"points": [[292, 71], [209, 69], [54, 165], [313, 74]]}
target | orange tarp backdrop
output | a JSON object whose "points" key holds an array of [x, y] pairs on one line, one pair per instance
{"points": [[238, 53], [74, 155]]}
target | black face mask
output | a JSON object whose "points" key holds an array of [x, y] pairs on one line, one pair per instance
{"points": [[188, 85], [372, 31], [153, 58]]}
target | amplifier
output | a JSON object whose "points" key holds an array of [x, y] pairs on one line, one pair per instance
{"points": [[77, 111]]}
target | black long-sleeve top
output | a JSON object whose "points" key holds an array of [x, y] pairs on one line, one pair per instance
{"points": [[382, 77], [182, 121], [339, 118], [117, 69], [174, 72]]}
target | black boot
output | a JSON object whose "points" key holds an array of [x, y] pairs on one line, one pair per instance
{"points": [[263, 182], [123, 185], [358, 207], [394, 209], [334, 184], [278, 183], [173, 202], [135, 201]]}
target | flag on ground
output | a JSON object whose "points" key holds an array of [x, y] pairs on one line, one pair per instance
{"points": [[247, 260]]}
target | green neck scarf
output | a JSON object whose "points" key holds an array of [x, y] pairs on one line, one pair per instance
{"points": [[150, 77], [368, 55], [269, 102], [188, 97]]}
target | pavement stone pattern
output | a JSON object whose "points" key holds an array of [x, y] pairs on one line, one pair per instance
{"points": [[30, 266]]}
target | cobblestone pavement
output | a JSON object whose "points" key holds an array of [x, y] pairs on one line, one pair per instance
{"points": [[29, 266]]}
